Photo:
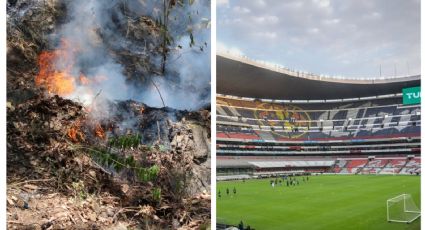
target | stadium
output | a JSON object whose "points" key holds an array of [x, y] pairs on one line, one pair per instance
{"points": [[307, 151]]}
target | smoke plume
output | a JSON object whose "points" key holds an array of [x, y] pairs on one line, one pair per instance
{"points": [[121, 61]]}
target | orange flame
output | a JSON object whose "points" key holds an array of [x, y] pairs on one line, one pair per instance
{"points": [[55, 70], [84, 80], [74, 132], [99, 131]]}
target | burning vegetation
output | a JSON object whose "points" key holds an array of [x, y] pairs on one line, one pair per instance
{"points": [[74, 132], [56, 79], [81, 152]]}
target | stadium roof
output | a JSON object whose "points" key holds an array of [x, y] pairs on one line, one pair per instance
{"points": [[233, 163], [283, 164], [239, 76]]}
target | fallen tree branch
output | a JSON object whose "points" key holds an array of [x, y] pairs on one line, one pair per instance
{"points": [[30, 181], [159, 92]]}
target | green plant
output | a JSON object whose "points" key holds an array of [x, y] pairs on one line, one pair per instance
{"points": [[156, 194], [147, 174], [126, 141], [163, 148], [118, 163], [79, 190]]}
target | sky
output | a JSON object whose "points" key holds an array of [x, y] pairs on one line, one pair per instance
{"points": [[352, 38]]}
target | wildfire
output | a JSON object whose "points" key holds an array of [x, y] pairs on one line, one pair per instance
{"points": [[74, 132], [99, 131], [84, 80], [55, 70]]}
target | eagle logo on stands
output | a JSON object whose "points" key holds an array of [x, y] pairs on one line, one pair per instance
{"points": [[287, 117]]}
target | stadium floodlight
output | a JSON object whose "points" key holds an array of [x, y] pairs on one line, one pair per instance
{"points": [[402, 209]]}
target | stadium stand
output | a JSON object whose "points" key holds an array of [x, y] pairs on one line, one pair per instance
{"points": [[259, 123], [266, 166], [293, 122]]}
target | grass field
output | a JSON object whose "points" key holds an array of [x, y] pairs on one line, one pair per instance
{"points": [[324, 202]]}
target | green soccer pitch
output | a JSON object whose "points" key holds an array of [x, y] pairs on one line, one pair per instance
{"points": [[324, 202]]}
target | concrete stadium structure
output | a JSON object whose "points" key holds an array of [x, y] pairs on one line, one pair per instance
{"points": [[273, 120]]}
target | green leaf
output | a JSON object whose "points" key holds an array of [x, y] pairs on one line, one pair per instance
{"points": [[156, 194]]}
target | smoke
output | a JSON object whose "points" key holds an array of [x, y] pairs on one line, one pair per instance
{"points": [[107, 55], [186, 84]]}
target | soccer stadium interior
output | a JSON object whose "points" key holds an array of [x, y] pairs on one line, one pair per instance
{"points": [[275, 121]]}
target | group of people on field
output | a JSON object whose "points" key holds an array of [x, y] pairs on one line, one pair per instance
{"points": [[227, 192], [289, 180]]}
